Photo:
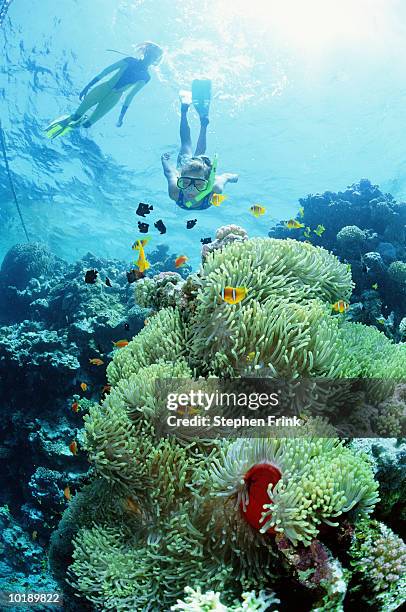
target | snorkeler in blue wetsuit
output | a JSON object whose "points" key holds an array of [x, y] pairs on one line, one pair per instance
{"points": [[131, 75], [194, 181]]}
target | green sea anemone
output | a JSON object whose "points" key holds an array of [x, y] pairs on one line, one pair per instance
{"points": [[293, 486]]}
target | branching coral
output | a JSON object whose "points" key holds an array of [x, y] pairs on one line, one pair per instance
{"points": [[161, 291], [351, 237], [397, 272], [196, 601], [379, 556]]}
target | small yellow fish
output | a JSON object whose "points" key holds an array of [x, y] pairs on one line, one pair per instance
{"points": [[306, 232], [83, 386], [141, 262], [121, 343], [320, 229], [293, 224], [34, 535], [250, 356], [301, 211], [137, 243], [340, 306], [381, 320], [67, 493], [234, 295], [257, 210], [218, 198], [375, 286], [96, 361]]}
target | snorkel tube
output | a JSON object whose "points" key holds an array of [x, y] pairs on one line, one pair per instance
{"points": [[210, 184]]}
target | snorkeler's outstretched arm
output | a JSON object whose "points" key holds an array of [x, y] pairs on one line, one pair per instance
{"points": [[120, 65], [171, 176], [222, 180], [129, 98]]}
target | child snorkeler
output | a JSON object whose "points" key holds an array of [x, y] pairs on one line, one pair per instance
{"points": [[131, 75], [194, 181]]}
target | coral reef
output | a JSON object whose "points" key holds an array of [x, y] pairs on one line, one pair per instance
{"points": [[224, 235], [224, 517], [197, 601], [23, 565], [375, 248], [163, 261], [42, 355], [161, 291], [378, 555]]}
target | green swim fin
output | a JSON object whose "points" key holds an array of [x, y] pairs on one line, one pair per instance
{"points": [[61, 126], [55, 128], [201, 96]]}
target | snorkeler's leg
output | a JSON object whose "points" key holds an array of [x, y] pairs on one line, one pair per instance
{"points": [[95, 96], [201, 141], [102, 108], [184, 132]]}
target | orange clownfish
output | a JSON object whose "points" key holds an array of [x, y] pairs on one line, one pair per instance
{"points": [[340, 306], [67, 493], [75, 407], [83, 386], [233, 295], [180, 261], [96, 361]]}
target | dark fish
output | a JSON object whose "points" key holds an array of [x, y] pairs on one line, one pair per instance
{"points": [[143, 209], [143, 227], [160, 226], [134, 275], [191, 223], [205, 240], [108, 282], [99, 348], [126, 326], [91, 276]]}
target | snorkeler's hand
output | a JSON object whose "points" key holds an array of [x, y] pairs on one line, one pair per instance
{"points": [[165, 157]]}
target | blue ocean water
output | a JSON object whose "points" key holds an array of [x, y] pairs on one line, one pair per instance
{"points": [[307, 97]]}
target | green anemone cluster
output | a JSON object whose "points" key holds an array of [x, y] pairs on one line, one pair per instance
{"points": [[164, 513], [329, 480], [285, 319]]}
